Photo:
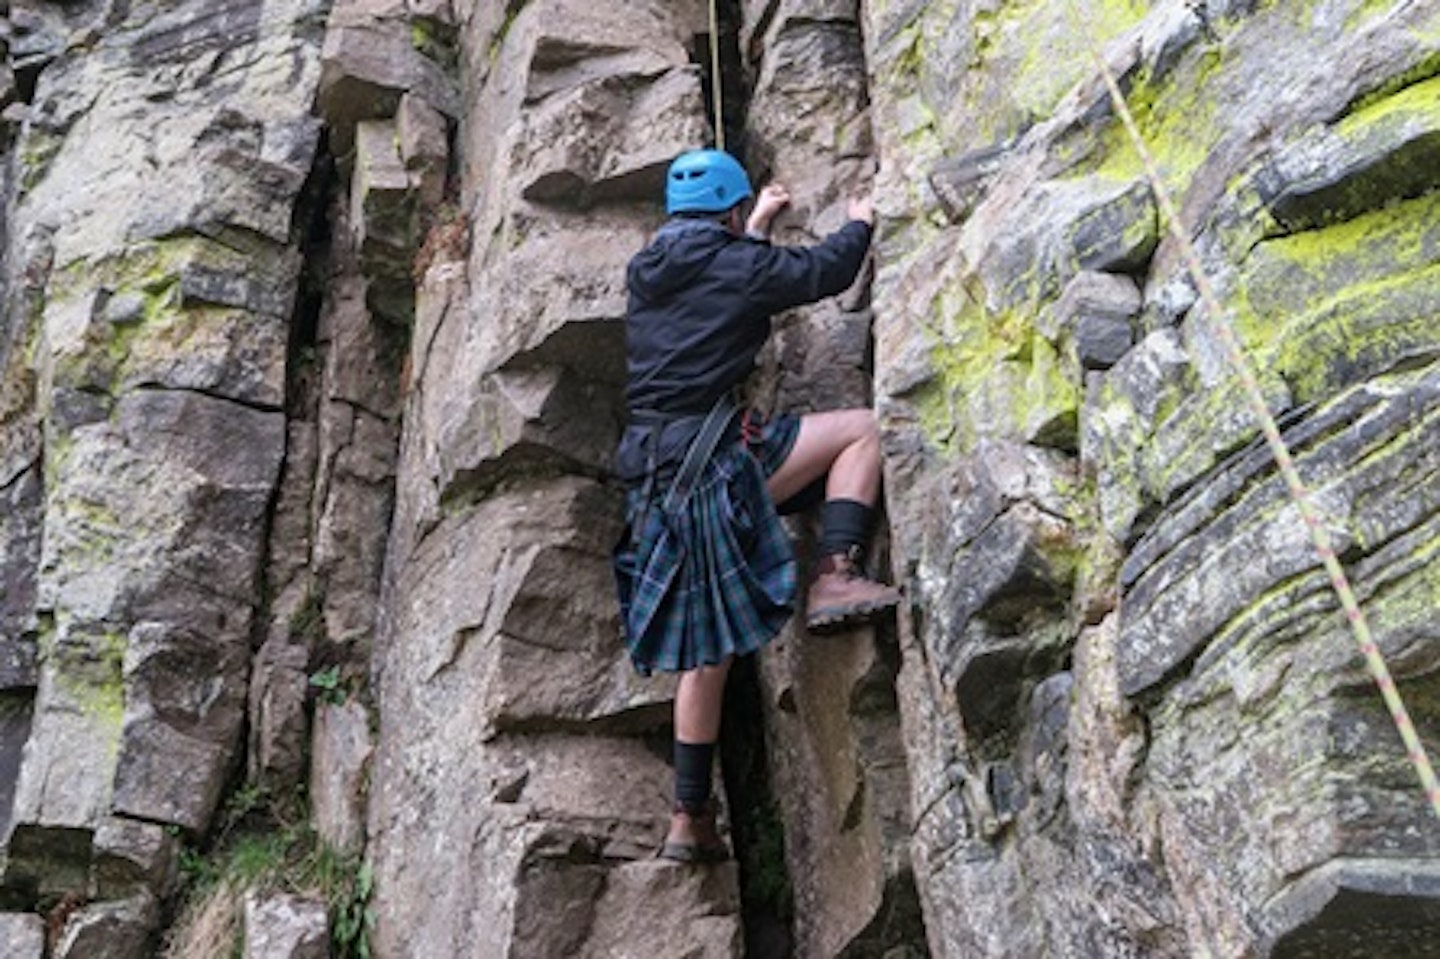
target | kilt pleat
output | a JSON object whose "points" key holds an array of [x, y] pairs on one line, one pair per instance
{"points": [[715, 578]]}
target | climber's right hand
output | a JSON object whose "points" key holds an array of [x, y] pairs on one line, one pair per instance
{"points": [[774, 198], [861, 208]]}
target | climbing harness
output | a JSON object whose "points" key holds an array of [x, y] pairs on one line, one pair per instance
{"points": [[701, 449], [715, 82], [1250, 385]]}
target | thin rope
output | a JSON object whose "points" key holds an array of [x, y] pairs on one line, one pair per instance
{"points": [[1250, 384], [715, 76]]}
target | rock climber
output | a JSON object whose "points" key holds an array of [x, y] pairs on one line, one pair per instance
{"points": [[705, 570]]}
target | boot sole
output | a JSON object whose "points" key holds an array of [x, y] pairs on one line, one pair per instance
{"points": [[832, 618], [693, 853]]}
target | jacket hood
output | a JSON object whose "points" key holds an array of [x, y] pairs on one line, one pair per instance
{"points": [[680, 252]]}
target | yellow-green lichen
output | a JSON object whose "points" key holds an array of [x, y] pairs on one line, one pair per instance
{"points": [[987, 74], [38, 148], [1204, 427], [1049, 35], [1360, 17], [87, 674], [1416, 101], [513, 9], [1423, 70], [149, 273], [1179, 118], [436, 41], [995, 375], [903, 72], [1324, 306]]}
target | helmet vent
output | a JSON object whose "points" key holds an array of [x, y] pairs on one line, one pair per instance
{"points": [[705, 181]]}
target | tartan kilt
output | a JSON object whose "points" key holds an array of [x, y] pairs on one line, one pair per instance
{"points": [[717, 578]]}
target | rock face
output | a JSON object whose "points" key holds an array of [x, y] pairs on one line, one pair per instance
{"points": [[1136, 721], [311, 365], [499, 623], [156, 157]]}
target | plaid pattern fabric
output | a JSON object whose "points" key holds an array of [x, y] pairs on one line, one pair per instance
{"points": [[717, 578]]}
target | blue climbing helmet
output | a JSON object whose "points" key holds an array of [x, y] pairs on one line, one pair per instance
{"points": [[705, 181]]}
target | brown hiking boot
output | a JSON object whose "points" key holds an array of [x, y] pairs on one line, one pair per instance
{"points": [[694, 837], [842, 596]]}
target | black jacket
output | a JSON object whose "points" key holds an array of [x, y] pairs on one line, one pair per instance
{"points": [[700, 305]]}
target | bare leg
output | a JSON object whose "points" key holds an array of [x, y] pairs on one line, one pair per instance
{"points": [[697, 703], [845, 442]]}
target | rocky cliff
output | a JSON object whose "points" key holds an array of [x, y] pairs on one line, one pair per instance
{"points": [[310, 369]]}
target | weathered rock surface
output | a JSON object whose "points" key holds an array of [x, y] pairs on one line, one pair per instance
{"points": [[1126, 639], [310, 371], [831, 726], [113, 929], [500, 630], [339, 774], [22, 935], [285, 927], [159, 154]]}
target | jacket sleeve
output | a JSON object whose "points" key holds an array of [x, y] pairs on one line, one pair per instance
{"points": [[787, 276]]}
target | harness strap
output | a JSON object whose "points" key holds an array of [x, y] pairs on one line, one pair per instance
{"points": [[699, 452], [702, 447]]}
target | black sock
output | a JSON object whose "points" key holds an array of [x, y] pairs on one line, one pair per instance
{"points": [[693, 764], [845, 525]]}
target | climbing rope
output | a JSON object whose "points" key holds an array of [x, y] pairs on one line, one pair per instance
{"points": [[1250, 384], [715, 75]]}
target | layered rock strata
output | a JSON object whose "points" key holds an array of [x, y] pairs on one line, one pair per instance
{"points": [[1136, 721], [521, 780], [158, 155], [310, 370]]}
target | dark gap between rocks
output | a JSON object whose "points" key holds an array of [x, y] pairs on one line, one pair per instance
{"points": [[734, 89], [757, 829]]}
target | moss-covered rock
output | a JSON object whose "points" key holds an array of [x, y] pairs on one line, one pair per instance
{"points": [[1217, 698]]}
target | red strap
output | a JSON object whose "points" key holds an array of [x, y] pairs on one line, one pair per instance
{"points": [[750, 428]]}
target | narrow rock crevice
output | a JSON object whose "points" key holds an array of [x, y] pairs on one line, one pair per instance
{"points": [[734, 85], [311, 228], [757, 828], [217, 395], [756, 815], [1427, 68], [15, 710]]}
